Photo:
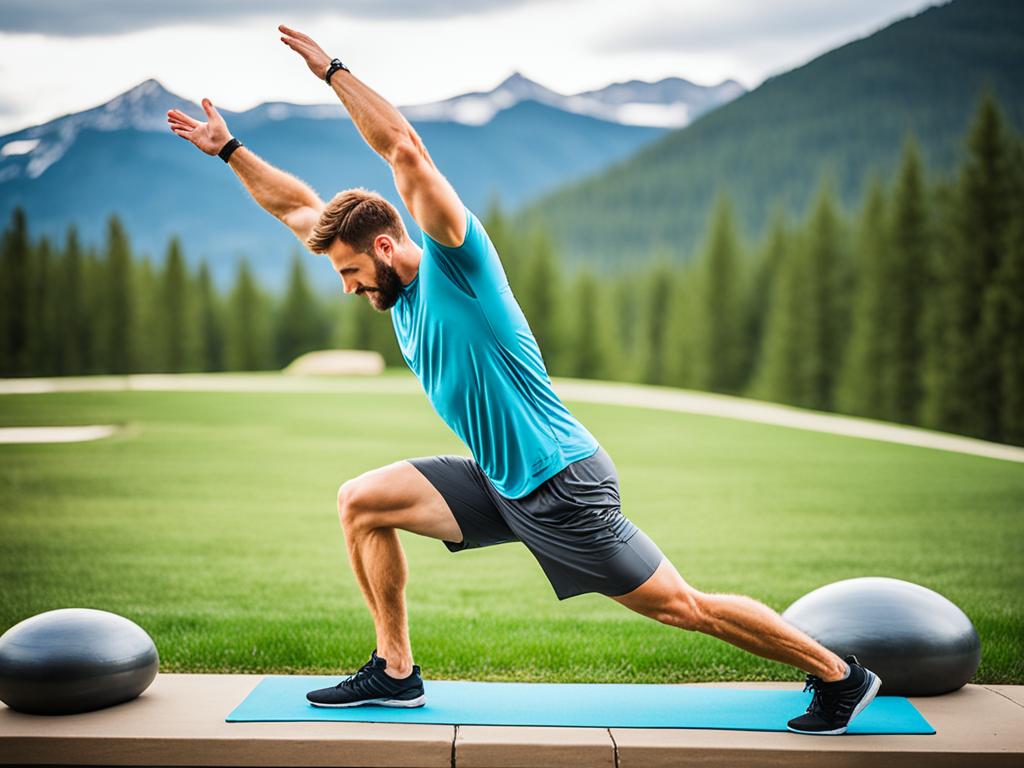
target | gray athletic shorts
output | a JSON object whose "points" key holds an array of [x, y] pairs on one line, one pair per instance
{"points": [[571, 523]]}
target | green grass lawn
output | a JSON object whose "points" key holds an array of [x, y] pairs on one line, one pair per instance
{"points": [[211, 522]]}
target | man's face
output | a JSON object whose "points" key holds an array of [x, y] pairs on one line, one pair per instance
{"points": [[368, 274]]}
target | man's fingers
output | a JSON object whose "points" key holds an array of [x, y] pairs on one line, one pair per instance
{"points": [[294, 33], [209, 109], [303, 50], [180, 124], [182, 117], [294, 43]]}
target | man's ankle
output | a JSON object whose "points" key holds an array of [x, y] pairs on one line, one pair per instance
{"points": [[398, 672], [398, 668], [837, 674]]}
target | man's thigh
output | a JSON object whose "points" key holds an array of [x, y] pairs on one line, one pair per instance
{"points": [[399, 496], [462, 484]]}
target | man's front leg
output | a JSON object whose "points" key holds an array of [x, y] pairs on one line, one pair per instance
{"points": [[379, 564]]}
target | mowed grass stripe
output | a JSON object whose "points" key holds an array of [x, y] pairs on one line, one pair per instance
{"points": [[211, 522]]}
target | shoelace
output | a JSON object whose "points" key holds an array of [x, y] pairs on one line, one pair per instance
{"points": [[364, 672], [826, 699]]}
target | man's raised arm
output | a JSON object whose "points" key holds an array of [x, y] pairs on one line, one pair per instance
{"points": [[279, 193], [427, 194]]}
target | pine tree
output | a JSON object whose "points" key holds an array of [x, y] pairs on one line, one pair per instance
{"points": [[174, 325], [503, 237], [542, 298], [1003, 313], [149, 325], [94, 291], [14, 298], [963, 395], [42, 311], [587, 348], [210, 321], [684, 328], [760, 288], [720, 354], [865, 363], [902, 376], [825, 305], [1003, 321], [72, 320], [784, 341], [625, 298], [610, 350], [248, 337], [301, 327], [117, 313], [654, 307]]}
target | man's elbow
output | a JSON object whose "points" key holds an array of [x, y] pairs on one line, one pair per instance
{"points": [[407, 152]]}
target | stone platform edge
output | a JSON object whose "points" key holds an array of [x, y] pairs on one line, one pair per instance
{"points": [[180, 721]]}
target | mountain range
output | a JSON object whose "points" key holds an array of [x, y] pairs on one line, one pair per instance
{"points": [[511, 143], [839, 119]]}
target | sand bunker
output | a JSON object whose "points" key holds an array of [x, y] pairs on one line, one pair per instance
{"points": [[55, 434], [337, 362]]}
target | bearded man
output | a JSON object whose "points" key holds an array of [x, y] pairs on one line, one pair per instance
{"points": [[536, 474]]}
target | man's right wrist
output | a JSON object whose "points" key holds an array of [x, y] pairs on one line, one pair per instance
{"points": [[333, 67], [229, 148]]}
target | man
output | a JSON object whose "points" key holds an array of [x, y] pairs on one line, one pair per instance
{"points": [[537, 475]]}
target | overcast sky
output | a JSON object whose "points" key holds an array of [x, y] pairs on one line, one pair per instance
{"points": [[61, 56]]}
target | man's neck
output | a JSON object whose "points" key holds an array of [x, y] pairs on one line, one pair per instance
{"points": [[407, 262]]}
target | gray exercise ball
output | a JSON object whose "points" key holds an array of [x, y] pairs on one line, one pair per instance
{"points": [[918, 642], [74, 660]]}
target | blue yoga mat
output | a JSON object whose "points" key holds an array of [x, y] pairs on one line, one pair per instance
{"points": [[280, 698]]}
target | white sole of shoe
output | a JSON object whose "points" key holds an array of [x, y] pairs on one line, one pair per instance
{"points": [[419, 701], [876, 684]]}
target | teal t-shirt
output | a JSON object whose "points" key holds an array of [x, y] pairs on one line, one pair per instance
{"points": [[463, 334]]}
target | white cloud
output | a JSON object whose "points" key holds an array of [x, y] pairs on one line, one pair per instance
{"points": [[72, 18], [569, 45]]}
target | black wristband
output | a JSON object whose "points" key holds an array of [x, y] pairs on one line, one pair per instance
{"points": [[227, 149], [335, 66]]}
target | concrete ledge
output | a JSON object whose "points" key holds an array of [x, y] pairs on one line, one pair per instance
{"points": [[487, 746], [180, 721], [974, 726], [1014, 693]]}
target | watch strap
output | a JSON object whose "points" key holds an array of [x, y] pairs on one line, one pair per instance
{"points": [[334, 67], [227, 149]]}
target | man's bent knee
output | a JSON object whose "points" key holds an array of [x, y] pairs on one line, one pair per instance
{"points": [[354, 503]]}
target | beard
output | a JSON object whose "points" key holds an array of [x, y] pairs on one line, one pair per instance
{"points": [[389, 286]]}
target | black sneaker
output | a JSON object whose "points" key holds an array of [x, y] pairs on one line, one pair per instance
{"points": [[372, 685], [834, 705]]}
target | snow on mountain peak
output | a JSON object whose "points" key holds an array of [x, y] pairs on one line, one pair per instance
{"points": [[143, 108], [668, 103]]}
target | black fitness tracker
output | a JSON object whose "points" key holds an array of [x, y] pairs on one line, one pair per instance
{"points": [[227, 149], [334, 67]]}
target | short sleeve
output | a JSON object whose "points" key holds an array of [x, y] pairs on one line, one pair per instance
{"points": [[476, 258], [475, 248]]}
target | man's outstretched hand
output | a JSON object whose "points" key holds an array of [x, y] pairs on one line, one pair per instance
{"points": [[306, 47], [209, 137]]}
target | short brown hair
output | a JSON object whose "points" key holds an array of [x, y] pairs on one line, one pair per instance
{"points": [[356, 217]]}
